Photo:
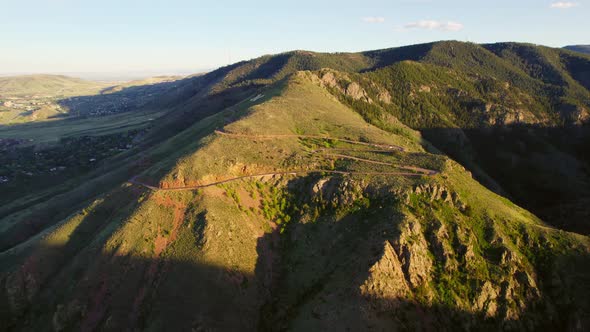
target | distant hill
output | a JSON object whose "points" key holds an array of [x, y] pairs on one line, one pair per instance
{"points": [[52, 85], [142, 82], [579, 48], [39, 98]]}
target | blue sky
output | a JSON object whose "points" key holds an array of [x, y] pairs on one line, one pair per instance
{"points": [[56, 36]]}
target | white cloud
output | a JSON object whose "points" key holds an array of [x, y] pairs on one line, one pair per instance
{"points": [[435, 25], [373, 19], [564, 5]]}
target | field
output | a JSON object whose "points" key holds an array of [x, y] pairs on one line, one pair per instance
{"points": [[48, 85], [51, 132], [43, 98]]}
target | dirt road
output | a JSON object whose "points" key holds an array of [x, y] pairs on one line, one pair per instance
{"points": [[382, 146], [410, 171]]}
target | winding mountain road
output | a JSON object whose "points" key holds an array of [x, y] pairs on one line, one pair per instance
{"points": [[382, 146], [409, 171]]}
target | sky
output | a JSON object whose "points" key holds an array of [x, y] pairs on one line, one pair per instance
{"points": [[182, 36]]}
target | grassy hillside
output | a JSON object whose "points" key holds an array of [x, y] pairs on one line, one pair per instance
{"points": [[516, 115], [334, 236], [33, 98], [51, 85], [469, 100], [143, 82], [309, 191], [45, 98]]}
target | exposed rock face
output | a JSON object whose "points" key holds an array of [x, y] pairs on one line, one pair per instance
{"points": [[319, 187], [436, 192], [584, 115], [501, 115], [356, 92], [442, 247], [406, 269], [343, 84], [337, 192], [486, 300], [424, 248], [414, 256], [519, 288], [386, 280], [575, 114], [328, 78], [512, 118], [384, 96]]}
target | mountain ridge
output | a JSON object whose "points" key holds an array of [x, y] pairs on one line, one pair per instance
{"points": [[579, 48], [270, 195], [242, 239]]}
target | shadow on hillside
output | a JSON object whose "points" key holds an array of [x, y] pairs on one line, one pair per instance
{"points": [[140, 98], [545, 170], [92, 282], [105, 291], [318, 276], [38, 211], [187, 100], [126, 99], [390, 56], [132, 98], [308, 278]]}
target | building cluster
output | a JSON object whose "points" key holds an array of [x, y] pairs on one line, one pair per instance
{"points": [[25, 103]]}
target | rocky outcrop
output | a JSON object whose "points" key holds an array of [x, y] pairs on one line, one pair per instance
{"points": [[414, 255], [486, 301], [500, 115], [574, 114], [436, 192], [442, 247], [384, 96], [344, 85], [328, 78], [386, 281], [356, 92], [337, 192]]}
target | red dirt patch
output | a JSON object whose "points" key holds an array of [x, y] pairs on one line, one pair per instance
{"points": [[247, 200], [160, 244]]}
